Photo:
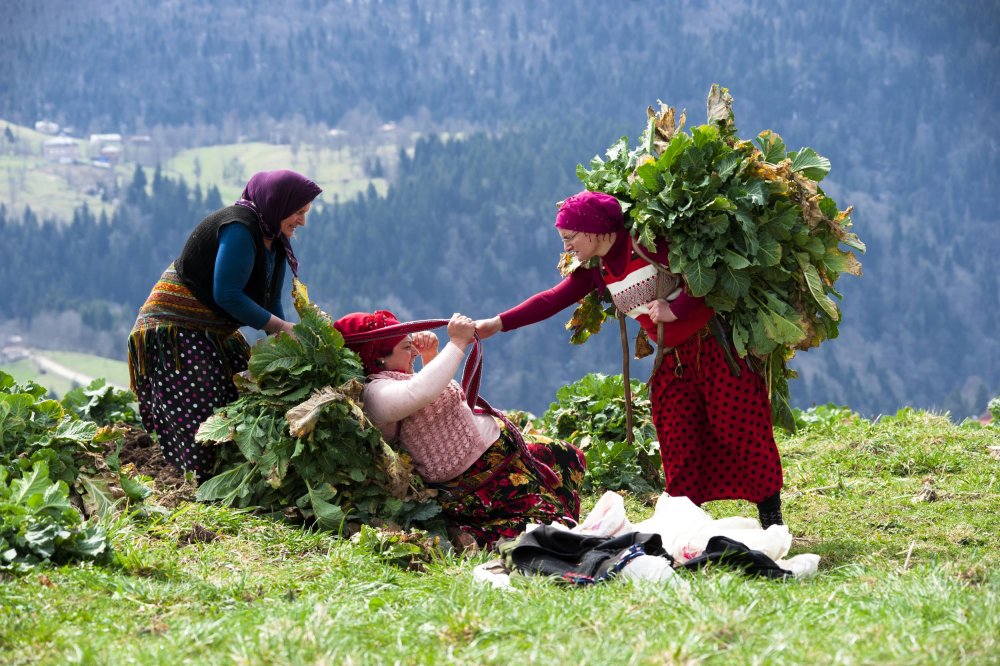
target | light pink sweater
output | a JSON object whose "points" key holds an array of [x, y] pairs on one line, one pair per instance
{"points": [[438, 429]]}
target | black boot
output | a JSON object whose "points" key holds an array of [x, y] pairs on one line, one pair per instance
{"points": [[770, 511]]}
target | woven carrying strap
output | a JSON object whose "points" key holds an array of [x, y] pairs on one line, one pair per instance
{"points": [[471, 380]]}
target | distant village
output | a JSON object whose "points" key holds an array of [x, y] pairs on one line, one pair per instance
{"points": [[102, 151]]}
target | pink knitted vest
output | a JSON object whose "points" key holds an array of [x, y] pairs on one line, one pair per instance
{"points": [[442, 437]]}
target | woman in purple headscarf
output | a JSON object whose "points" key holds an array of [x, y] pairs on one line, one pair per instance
{"points": [[186, 346]]}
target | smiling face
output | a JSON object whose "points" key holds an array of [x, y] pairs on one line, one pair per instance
{"points": [[585, 246], [294, 221], [402, 357]]}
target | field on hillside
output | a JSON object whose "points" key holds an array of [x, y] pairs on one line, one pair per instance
{"points": [[904, 512], [339, 172], [25, 369], [54, 190], [50, 189]]}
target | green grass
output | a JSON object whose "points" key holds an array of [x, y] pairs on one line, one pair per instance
{"points": [[907, 576]]}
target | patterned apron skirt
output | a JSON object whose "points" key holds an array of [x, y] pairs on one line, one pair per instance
{"points": [[500, 494]]}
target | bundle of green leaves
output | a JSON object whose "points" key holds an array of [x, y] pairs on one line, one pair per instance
{"points": [[298, 441], [749, 229], [45, 455], [590, 413]]}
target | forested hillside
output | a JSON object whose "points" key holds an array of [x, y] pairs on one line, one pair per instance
{"points": [[901, 96]]}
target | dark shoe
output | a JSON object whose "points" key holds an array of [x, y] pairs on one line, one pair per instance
{"points": [[770, 511]]}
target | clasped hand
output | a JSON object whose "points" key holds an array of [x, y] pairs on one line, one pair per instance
{"points": [[659, 311], [461, 330]]}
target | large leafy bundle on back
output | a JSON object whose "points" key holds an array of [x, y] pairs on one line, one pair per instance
{"points": [[749, 230], [297, 439]]}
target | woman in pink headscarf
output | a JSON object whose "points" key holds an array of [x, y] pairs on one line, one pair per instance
{"points": [[714, 427], [186, 346]]}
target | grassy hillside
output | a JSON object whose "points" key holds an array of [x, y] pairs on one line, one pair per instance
{"points": [[339, 171], [115, 372], [905, 513], [50, 189], [54, 190]]}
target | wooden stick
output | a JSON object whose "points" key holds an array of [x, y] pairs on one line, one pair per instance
{"points": [[628, 382]]}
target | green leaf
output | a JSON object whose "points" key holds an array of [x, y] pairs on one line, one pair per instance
{"points": [[771, 146], [720, 203], [216, 428], [700, 278], [756, 192], [649, 176], [225, 486], [35, 482], [769, 251], [81, 432], [134, 489], [329, 516], [674, 149], [40, 538], [734, 283], [815, 285], [851, 240], [811, 164], [726, 166], [734, 260], [781, 330]]}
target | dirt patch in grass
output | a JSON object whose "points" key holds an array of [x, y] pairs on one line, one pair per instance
{"points": [[170, 486]]}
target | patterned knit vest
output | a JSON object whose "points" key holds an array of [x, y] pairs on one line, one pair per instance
{"points": [[635, 286], [442, 437]]}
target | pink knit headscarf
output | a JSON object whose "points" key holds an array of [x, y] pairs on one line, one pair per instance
{"points": [[592, 213]]}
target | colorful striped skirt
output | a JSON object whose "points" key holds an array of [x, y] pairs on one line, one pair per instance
{"points": [[500, 494]]}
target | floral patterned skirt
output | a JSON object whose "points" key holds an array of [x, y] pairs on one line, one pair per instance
{"points": [[500, 493]]}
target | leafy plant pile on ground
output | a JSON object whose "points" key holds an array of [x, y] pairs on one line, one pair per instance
{"points": [[297, 441], [102, 403], [749, 228], [590, 413], [53, 471]]}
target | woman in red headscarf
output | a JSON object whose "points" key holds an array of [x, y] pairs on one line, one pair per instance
{"points": [[186, 346], [491, 482], [714, 428]]}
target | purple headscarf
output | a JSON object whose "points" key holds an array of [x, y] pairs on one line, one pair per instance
{"points": [[592, 213], [273, 196]]}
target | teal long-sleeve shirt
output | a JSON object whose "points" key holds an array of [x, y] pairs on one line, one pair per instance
{"points": [[233, 265]]}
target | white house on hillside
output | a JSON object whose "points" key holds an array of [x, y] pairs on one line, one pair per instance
{"points": [[61, 148]]}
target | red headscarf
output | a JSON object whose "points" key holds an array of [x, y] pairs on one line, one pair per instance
{"points": [[357, 329], [591, 213]]}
